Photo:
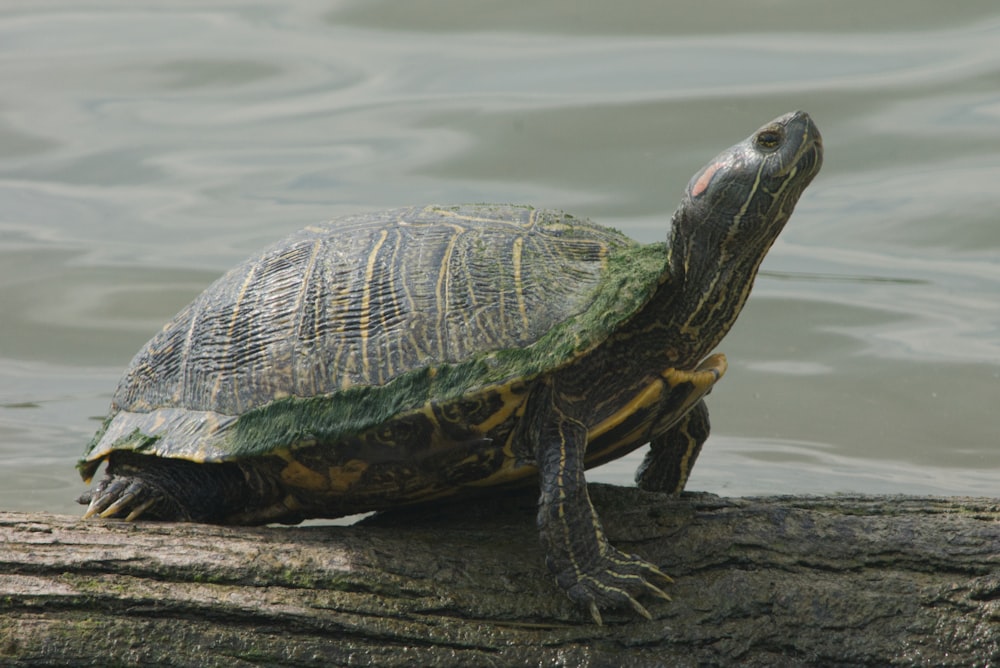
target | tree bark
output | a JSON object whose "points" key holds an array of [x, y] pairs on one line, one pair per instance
{"points": [[760, 582]]}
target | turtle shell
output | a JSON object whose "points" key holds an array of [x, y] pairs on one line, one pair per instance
{"points": [[346, 326]]}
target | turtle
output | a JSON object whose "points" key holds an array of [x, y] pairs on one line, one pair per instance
{"points": [[417, 354]]}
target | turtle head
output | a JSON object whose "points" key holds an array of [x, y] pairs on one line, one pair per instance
{"points": [[733, 210], [736, 205]]}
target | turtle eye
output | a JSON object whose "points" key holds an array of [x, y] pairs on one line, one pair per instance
{"points": [[769, 139]]}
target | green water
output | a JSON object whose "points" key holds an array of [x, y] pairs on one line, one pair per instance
{"points": [[147, 147]]}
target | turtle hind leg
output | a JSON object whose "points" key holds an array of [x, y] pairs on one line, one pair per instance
{"points": [[671, 455], [157, 488], [116, 495]]}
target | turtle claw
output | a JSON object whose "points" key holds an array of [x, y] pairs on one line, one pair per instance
{"points": [[656, 591], [140, 509], [660, 574], [595, 613], [638, 607]]}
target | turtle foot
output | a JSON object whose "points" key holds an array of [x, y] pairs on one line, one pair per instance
{"points": [[616, 581], [122, 497]]}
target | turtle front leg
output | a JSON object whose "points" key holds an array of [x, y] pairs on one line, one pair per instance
{"points": [[672, 454], [591, 571], [147, 487]]}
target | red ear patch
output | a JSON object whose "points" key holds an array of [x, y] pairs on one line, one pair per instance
{"points": [[705, 178]]}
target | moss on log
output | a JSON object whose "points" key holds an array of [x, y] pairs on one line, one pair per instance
{"points": [[760, 581]]}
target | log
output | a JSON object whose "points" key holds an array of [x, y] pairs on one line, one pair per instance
{"points": [[840, 580]]}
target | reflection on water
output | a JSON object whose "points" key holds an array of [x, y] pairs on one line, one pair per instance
{"points": [[144, 150]]}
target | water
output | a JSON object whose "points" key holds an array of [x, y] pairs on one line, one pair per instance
{"points": [[145, 148]]}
